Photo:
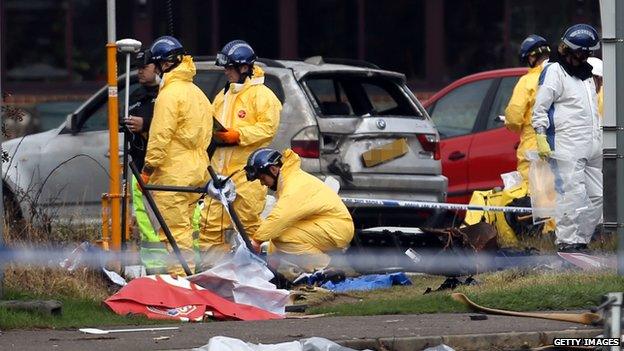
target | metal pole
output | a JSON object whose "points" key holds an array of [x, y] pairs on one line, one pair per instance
{"points": [[113, 128], [619, 118], [1, 176], [124, 171], [612, 16], [161, 220]]}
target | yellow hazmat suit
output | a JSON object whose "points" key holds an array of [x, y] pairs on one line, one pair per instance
{"points": [[252, 110], [518, 116], [179, 135], [601, 101], [309, 218]]}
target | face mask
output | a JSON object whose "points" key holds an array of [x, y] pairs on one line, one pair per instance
{"points": [[160, 80]]}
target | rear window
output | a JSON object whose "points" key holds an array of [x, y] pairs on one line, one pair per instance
{"points": [[354, 96]]}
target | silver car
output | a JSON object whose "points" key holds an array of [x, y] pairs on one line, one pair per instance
{"points": [[333, 114]]}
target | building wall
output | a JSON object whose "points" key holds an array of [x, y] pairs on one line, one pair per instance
{"points": [[58, 45]]}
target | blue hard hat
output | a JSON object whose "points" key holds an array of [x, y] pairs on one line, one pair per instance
{"points": [[165, 48], [581, 37], [236, 52], [533, 44], [260, 160]]}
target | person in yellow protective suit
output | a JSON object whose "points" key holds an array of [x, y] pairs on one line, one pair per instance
{"points": [[250, 113], [309, 221], [534, 51], [178, 138], [596, 64]]}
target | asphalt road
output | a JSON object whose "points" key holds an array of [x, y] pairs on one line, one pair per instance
{"points": [[335, 328]]}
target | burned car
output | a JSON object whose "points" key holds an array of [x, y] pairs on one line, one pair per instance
{"points": [[334, 114]]}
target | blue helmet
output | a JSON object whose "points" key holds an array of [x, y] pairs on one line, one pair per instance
{"points": [[165, 48], [581, 37], [533, 44], [259, 162], [234, 53]]}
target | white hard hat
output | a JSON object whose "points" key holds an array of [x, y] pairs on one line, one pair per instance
{"points": [[596, 64]]}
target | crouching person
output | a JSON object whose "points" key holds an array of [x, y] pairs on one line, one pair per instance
{"points": [[309, 222]]}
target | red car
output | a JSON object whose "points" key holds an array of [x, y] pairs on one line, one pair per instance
{"points": [[475, 145]]}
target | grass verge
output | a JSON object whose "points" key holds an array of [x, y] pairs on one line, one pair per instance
{"points": [[77, 313], [514, 290], [81, 294]]}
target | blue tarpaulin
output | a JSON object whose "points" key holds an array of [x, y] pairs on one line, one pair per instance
{"points": [[369, 282]]}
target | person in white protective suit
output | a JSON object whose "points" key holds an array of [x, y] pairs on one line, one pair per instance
{"points": [[567, 123]]}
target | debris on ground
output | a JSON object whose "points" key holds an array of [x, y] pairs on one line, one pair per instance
{"points": [[478, 317], [223, 343], [114, 277], [440, 347], [582, 318], [588, 262], [451, 283], [133, 330], [163, 297], [369, 282], [244, 278], [76, 257]]}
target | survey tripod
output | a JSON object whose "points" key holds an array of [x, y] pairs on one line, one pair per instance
{"points": [[218, 183]]}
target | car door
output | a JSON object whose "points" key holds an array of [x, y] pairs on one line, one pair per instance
{"points": [[493, 150], [455, 115]]}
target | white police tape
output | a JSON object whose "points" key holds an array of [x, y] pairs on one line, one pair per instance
{"points": [[432, 205]]}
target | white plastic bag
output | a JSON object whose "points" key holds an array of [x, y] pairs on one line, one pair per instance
{"points": [[244, 278], [541, 188], [551, 189], [511, 179], [223, 343]]}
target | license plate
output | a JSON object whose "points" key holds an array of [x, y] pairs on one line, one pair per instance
{"points": [[385, 153]]}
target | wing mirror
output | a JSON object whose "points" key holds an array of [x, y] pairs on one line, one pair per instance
{"points": [[70, 123]]}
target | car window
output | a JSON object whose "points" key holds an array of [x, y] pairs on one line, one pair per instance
{"points": [[210, 82], [359, 96], [379, 98], [98, 119], [456, 113], [330, 97], [503, 94], [273, 83]]}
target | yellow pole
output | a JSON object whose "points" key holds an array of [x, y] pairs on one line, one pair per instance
{"points": [[113, 130]]}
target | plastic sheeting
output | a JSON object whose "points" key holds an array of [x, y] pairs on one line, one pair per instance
{"points": [[244, 278], [163, 297], [440, 347], [222, 343], [369, 282]]}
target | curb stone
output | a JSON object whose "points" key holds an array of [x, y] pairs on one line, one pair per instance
{"points": [[470, 342]]}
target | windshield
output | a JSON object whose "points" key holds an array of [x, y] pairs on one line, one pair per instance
{"points": [[358, 96]]}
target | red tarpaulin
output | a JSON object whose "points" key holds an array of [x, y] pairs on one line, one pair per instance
{"points": [[163, 297]]}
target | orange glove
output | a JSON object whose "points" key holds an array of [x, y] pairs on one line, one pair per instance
{"points": [[229, 137], [145, 177]]}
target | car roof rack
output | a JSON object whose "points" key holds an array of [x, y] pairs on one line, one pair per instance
{"points": [[319, 60], [266, 61]]}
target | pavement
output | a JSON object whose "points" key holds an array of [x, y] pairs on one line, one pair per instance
{"points": [[389, 332]]}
